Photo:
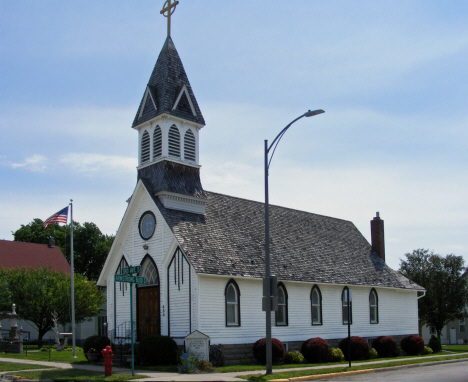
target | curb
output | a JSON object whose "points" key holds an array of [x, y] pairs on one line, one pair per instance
{"points": [[367, 371]]}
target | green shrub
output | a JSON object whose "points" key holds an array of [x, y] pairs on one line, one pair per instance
{"points": [[89, 343], [216, 355], [158, 350], [335, 355], [434, 344], [427, 350], [293, 357], [204, 365], [315, 350], [188, 363], [373, 354]]}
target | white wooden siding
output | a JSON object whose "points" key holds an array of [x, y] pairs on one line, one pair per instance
{"points": [[398, 313], [179, 295], [131, 246]]}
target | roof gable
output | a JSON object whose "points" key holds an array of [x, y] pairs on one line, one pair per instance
{"points": [[229, 240], [168, 82], [16, 254]]}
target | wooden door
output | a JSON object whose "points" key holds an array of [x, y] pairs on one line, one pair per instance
{"points": [[148, 312]]}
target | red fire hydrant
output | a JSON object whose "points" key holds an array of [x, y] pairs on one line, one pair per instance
{"points": [[107, 354]]}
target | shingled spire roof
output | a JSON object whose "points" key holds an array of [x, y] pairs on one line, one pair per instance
{"points": [[168, 90]]}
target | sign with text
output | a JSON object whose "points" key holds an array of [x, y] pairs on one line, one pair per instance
{"points": [[131, 270], [130, 279], [199, 344]]}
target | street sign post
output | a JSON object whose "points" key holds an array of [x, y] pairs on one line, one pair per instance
{"points": [[126, 278]]}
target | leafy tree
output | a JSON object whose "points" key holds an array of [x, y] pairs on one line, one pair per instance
{"points": [[39, 292], [446, 282], [90, 245]]}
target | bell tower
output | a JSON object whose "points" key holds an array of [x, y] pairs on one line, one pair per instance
{"points": [[168, 122]]}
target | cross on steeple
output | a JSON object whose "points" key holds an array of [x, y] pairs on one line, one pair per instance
{"points": [[169, 7]]}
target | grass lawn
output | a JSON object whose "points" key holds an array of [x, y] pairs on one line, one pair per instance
{"points": [[53, 355], [74, 375], [456, 348], [10, 366], [300, 373]]}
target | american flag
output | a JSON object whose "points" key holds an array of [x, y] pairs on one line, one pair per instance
{"points": [[59, 217]]}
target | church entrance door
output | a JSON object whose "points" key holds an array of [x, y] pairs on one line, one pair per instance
{"points": [[148, 312]]}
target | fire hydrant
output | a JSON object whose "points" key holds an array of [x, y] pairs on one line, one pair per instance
{"points": [[107, 354]]}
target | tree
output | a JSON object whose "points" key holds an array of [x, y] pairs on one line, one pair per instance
{"points": [[446, 282], [39, 292], [90, 246]]}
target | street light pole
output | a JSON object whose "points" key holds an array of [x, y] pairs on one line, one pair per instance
{"points": [[267, 282]]}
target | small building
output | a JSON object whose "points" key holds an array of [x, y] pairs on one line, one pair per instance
{"points": [[16, 254]]}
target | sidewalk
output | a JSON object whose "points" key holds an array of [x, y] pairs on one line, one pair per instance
{"points": [[166, 376]]}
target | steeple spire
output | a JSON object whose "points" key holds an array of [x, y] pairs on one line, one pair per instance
{"points": [[169, 7]]}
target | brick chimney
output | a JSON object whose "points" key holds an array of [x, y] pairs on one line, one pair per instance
{"points": [[51, 242], [377, 236]]}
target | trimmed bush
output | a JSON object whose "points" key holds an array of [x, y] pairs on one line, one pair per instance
{"points": [[434, 344], [385, 346], [315, 350], [359, 348], [427, 350], [335, 355], [412, 345], [293, 357], [89, 343], [373, 354], [216, 356], [100, 343], [277, 351], [158, 350]]}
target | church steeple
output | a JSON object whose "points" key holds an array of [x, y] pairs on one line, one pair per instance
{"points": [[168, 90], [168, 122]]}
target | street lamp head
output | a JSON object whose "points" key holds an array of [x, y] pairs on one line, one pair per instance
{"points": [[310, 113]]}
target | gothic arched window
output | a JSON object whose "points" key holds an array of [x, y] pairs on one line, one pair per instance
{"points": [[174, 142], [282, 312], [344, 305], [157, 142], [316, 305], [373, 307], [189, 146], [145, 147], [232, 301], [149, 271]]}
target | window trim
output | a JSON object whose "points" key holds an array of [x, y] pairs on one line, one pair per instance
{"points": [[317, 288], [460, 324], [286, 305], [236, 288], [147, 257], [376, 306], [350, 308]]}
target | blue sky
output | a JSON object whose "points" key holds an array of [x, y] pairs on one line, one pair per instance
{"points": [[390, 75]]}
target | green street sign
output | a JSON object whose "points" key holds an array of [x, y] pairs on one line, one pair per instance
{"points": [[130, 279], [131, 270]]}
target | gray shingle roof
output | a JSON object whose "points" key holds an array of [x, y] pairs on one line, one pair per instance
{"points": [[166, 82], [172, 177], [229, 240]]}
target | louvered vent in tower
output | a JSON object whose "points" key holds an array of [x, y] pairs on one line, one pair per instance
{"points": [[174, 142], [189, 146], [145, 148], [157, 142]]}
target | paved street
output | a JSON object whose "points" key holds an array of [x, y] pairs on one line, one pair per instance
{"points": [[452, 372]]}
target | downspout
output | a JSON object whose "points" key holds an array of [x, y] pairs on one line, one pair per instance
{"points": [[424, 293]]}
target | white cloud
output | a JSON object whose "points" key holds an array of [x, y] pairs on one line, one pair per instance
{"points": [[34, 163]]}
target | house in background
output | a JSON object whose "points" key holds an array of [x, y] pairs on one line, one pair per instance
{"points": [[202, 253], [15, 254]]}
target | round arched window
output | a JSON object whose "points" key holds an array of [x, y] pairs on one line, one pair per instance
{"points": [[147, 225]]}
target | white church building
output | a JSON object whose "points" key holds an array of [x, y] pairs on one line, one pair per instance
{"points": [[202, 252]]}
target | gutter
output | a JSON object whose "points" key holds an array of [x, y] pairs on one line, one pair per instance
{"points": [[424, 293]]}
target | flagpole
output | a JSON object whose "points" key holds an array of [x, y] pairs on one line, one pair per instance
{"points": [[72, 279]]}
